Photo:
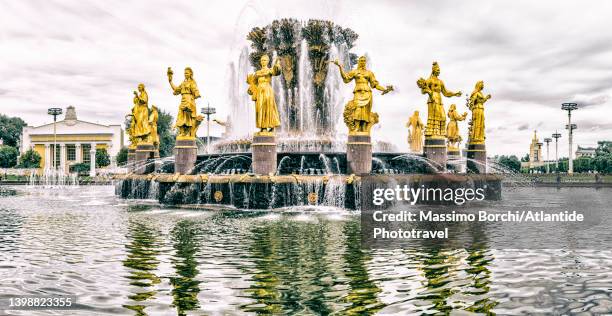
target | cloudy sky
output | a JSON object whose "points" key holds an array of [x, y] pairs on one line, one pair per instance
{"points": [[531, 55]]}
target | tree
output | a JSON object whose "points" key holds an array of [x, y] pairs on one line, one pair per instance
{"points": [[102, 158], [510, 162], [166, 136], [80, 168], [122, 156], [8, 156], [10, 129], [29, 159]]}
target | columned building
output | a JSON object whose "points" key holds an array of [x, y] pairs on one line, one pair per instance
{"points": [[535, 153], [76, 141]]}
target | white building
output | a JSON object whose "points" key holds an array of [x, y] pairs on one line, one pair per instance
{"points": [[77, 141], [585, 152]]}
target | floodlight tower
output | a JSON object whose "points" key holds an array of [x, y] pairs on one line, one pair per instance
{"points": [[556, 136], [55, 112], [547, 140], [208, 111], [569, 107]]}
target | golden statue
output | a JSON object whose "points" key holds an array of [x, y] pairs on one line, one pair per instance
{"points": [[153, 117], [476, 105], [436, 116], [260, 89], [187, 120], [130, 129], [415, 136], [358, 114], [140, 115], [452, 129]]}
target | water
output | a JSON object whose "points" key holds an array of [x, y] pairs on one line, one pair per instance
{"points": [[126, 257]]}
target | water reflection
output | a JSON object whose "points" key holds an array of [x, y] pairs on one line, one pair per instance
{"points": [[185, 241], [142, 261], [363, 293]]}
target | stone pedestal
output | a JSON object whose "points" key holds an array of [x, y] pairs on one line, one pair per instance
{"points": [[359, 154], [131, 159], [144, 152], [185, 154], [264, 154], [477, 158], [454, 154], [435, 149]]}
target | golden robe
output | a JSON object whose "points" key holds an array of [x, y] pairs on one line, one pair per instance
{"points": [[153, 123], [415, 137], [452, 129], [141, 115], [477, 131], [362, 94], [187, 109], [266, 112]]}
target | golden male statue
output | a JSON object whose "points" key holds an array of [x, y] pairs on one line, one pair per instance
{"points": [[415, 136], [187, 120], [436, 116], [260, 89], [358, 114], [476, 105]]}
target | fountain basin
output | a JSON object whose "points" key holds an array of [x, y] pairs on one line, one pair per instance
{"points": [[249, 191]]}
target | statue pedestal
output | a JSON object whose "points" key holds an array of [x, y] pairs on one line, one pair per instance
{"points": [[453, 153], [144, 152], [131, 159], [359, 154], [478, 155], [185, 154], [435, 149], [264, 153]]}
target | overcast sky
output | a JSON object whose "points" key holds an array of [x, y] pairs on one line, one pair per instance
{"points": [[531, 55]]}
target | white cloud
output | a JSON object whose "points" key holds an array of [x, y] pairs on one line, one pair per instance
{"points": [[532, 56]]}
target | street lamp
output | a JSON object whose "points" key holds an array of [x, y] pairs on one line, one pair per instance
{"points": [[547, 140], [556, 136], [208, 111], [569, 107], [55, 112]]}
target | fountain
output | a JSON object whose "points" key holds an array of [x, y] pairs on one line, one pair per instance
{"points": [[299, 155]]}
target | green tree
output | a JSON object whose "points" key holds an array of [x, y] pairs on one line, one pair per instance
{"points": [[29, 159], [526, 158], [102, 158], [122, 156], [80, 168], [166, 136], [8, 156], [510, 162], [10, 129]]}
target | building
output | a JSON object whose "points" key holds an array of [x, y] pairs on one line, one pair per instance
{"points": [[77, 142], [585, 152], [535, 153]]}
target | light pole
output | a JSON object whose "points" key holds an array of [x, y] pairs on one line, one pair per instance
{"points": [[547, 140], [55, 112], [208, 111], [556, 136], [569, 107]]}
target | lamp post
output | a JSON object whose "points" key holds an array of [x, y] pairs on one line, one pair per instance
{"points": [[556, 136], [569, 107], [547, 140], [55, 112], [208, 111]]}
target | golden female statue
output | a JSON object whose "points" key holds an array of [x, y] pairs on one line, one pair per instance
{"points": [[140, 112], [187, 120], [476, 105], [452, 129], [260, 89], [358, 114], [434, 88], [415, 136], [153, 117]]}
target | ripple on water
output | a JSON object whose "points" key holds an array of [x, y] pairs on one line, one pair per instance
{"points": [[127, 258]]}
